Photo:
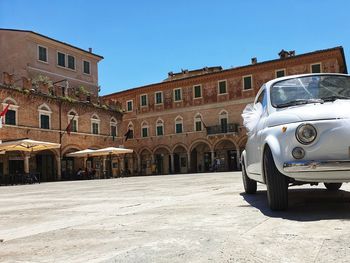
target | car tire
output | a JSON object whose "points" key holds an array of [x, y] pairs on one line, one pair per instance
{"points": [[276, 183], [249, 184], [332, 186]]}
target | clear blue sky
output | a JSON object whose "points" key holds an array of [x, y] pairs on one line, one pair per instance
{"points": [[143, 40]]}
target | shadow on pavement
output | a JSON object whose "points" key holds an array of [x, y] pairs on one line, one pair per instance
{"points": [[306, 205]]}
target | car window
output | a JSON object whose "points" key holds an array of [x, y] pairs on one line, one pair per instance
{"points": [[262, 99], [315, 87]]}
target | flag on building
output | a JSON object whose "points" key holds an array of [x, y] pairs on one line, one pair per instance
{"points": [[127, 135], [3, 115], [69, 126]]}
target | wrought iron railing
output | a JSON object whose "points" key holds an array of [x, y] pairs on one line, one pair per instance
{"points": [[220, 129]]}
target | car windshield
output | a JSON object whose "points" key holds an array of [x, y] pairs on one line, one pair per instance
{"points": [[310, 89]]}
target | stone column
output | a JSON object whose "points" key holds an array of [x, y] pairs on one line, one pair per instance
{"points": [[26, 163], [172, 163], [59, 168], [104, 167], [131, 164], [238, 159], [212, 157], [189, 162], [139, 168]]}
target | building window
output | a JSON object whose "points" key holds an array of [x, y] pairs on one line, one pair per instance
{"points": [[143, 99], [198, 123], [177, 94], [113, 131], [159, 97], [44, 121], [61, 59], [44, 116], [222, 87], [197, 91], [144, 129], [113, 125], [129, 105], [42, 53], [73, 119], [95, 128], [10, 117], [86, 67], [95, 124], [160, 128], [178, 125], [144, 132], [223, 119], [280, 73], [247, 83], [316, 68], [71, 62], [130, 131]]}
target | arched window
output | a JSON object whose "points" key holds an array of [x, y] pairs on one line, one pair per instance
{"points": [[73, 118], [95, 124], [113, 124], [160, 127], [44, 116], [198, 122], [223, 120], [130, 131], [179, 124], [11, 117], [144, 129]]}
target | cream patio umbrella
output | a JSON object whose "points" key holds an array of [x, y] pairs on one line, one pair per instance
{"points": [[82, 153], [28, 146], [109, 151]]}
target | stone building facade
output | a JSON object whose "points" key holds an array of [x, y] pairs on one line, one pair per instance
{"points": [[192, 118], [44, 97], [38, 58]]}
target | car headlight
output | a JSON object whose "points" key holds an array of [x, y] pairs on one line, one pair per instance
{"points": [[306, 133]]}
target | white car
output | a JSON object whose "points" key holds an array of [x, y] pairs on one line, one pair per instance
{"points": [[298, 132]]}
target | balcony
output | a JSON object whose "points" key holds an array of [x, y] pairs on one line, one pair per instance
{"points": [[223, 129]]}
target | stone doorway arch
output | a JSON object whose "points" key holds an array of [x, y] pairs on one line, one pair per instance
{"points": [[227, 155], [201, 155], [162, 160], [146, 161], [180, 155]]}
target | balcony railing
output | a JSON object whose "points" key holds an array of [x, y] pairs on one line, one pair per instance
{"points": [[222, 129]]}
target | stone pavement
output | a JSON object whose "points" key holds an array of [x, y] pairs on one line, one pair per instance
{"points": [[172, 218]]}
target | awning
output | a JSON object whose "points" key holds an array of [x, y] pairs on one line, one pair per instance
{"points": [[111, 151], [83, 153], [27, 145], [100, 152]]}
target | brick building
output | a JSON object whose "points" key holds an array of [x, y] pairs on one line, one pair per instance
{"points": [[47, 83], [181, 124]]}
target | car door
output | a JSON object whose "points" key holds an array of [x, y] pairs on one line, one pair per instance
{"points": [[254, 147]]}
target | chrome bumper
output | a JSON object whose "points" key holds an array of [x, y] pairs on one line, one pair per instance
{"points": [[316, 166]]}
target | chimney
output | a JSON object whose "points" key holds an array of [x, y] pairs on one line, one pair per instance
{"points": [[254, 60], [90, 49], [283, 54]]}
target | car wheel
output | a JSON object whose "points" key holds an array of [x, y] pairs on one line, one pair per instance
{"points": [[249, 184], [332, 186], [276, 183]]}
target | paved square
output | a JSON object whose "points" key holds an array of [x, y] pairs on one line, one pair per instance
{"points": [[173, 218]]}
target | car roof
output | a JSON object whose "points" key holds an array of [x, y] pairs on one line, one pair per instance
{"points": [[273, 81]]}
